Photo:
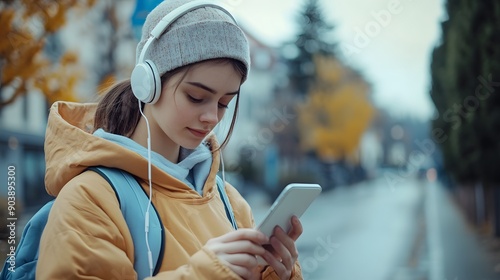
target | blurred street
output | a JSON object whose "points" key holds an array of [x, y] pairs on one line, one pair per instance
{"points": [[374, 232]]}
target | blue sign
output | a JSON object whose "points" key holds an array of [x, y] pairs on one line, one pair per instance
{"points": [[142, 9]]}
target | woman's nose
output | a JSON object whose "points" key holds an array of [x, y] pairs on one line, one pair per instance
{"points": [[210, 115]]}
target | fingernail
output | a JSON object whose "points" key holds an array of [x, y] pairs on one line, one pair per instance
{"points": [[264, 238]]}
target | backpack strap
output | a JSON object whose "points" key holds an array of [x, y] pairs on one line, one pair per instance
{"points": [[133, 204], [225, 199]]}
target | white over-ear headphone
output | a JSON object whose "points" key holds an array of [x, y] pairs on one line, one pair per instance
{"points": [[145, 79]]}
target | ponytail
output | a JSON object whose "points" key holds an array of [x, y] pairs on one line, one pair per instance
{"points": [[118, 111]]}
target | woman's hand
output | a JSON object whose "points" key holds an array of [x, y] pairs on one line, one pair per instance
{"points": [[281, 253], [238, 250]]}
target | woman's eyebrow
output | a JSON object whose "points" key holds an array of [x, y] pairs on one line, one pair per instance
{"points": [[204, 87]]}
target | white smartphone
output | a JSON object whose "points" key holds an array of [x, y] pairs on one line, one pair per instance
{"points": [[292, 201]]}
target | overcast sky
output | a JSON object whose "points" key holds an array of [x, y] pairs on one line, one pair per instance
{"points": [[389, 41]]}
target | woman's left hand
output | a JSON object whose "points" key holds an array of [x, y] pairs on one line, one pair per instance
{"points": [[281, 252]]}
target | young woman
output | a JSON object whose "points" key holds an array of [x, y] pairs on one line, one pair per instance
{"points": [[202, 58]]}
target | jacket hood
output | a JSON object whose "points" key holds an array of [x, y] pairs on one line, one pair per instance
{"points": [[70, 148]]}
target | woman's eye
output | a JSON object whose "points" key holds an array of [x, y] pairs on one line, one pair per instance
{"points": [[200, 100], [225, 106], [195, 100]]}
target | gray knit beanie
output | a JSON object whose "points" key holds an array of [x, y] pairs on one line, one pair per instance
{"points": [[201, 34]]}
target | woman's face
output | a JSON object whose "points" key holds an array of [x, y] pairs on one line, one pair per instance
{"points": [[190, 108]]}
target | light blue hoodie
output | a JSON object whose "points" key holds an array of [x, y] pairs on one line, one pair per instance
{"points": [[192, 169]]}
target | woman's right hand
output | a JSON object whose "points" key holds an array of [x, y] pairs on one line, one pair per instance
{"points": [[238, 250]]}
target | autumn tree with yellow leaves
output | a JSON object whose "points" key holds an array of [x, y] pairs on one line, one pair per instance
{"points": [[24, 66], [336, 113]]}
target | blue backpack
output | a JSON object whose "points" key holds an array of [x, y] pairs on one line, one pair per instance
{"points": [[133, 202]]}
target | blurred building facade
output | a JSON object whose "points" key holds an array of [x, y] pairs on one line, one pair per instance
{"points": [[251, 138]]}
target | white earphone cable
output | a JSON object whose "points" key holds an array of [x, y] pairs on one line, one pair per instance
{"points": [[222, 163], [146, 220]]}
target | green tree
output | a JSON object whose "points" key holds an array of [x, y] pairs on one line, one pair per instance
{"points": [[311, 39], [464, 69]]}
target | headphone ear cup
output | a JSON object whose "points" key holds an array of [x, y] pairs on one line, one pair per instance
{"points": [[145, 82]]}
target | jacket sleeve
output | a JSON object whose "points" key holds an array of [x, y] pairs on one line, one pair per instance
{"points": [[244, 219], [86, 237], [270, 274]]}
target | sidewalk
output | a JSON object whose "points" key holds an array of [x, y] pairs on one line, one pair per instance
{"points": [[454, 249]]}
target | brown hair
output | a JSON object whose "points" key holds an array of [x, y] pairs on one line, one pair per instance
{"points": [[117, 111]]}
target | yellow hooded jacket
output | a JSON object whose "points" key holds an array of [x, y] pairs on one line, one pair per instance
{"points": [[86, 236]]}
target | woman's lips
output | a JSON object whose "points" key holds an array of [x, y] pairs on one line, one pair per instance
{"points": [[198, 133]]}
